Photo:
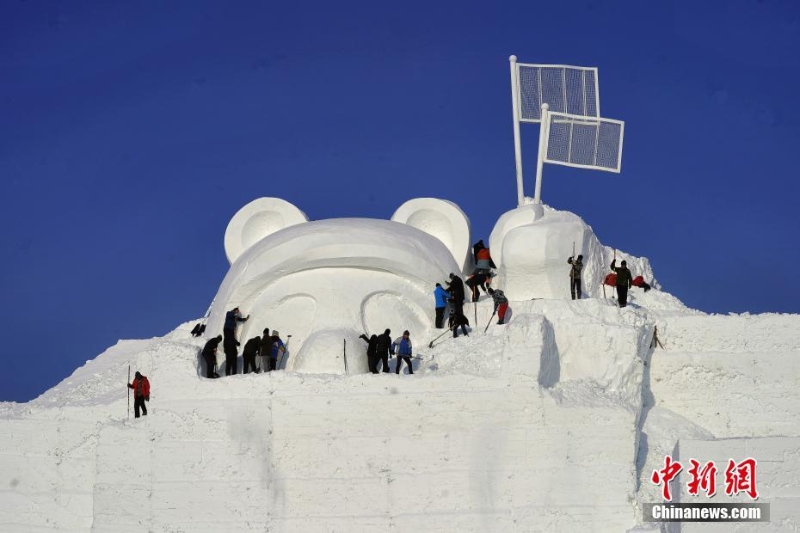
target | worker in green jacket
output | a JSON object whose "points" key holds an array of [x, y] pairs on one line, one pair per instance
{"points": [[624, 281]]}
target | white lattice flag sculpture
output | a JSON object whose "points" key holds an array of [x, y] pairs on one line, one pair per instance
{"points": [[565, 100], [584, 142], [565, 89]]}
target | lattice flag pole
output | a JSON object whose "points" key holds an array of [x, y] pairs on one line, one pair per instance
{"points": [[565, 100]]}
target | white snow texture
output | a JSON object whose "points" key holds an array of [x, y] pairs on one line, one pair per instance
{"points": [[551, 422]]}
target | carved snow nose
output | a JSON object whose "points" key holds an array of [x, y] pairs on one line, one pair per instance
{"points": [[325, 351]]}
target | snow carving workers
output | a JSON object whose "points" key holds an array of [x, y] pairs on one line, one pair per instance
{"points": [[456, 289], [278, 349], [343, 276], [372, 352], [265, 349], [575, 276], [500, 305], [440, 296], [232, 318], [382, 346], [198, 329], [229, 343], [478, 279], [458, 319], [230, 346], [483, 257], [141, 393], [402, 346], [639, 281], [209, 354], [482, 275], [249, 354], [624, 281]]}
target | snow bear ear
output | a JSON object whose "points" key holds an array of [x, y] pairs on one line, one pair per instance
{"points": [[256, 220], [441, 219]]}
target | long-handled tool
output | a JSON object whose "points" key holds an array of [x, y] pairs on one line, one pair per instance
{"points": [[285, 351], [490, 321], [430, 344], [129, 392], [344, 352]]}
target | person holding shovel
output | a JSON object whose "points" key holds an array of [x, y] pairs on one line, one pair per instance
{"points": [[500, 305]]}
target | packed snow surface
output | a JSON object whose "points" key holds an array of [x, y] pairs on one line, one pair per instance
{"points": [[551, 422]]}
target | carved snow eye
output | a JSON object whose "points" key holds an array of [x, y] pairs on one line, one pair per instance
{"points": [[441, 219], [256, 220]]}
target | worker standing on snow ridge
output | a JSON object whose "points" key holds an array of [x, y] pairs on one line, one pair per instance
{"points": [[500, 305], [624, 281], [249, 354], [141, 393], [404, 352], [575, 276], [265, 350], [231, 318], [372, 353], [230, 345], [278, 349], [441, 296], [382, 345], [456, 289], [457, 319], [210, 356]]}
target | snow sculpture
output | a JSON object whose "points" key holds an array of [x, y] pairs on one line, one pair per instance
{"points": [[531, 244], [325, 282]]}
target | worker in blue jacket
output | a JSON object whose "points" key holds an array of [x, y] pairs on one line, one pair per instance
{"points": [[402, 347], [441, 297]]}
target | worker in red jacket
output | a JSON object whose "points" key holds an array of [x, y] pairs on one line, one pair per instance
{"points": [[141, 393]]}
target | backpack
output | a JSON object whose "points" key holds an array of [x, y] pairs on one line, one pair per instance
{"points": [[611, 279]]}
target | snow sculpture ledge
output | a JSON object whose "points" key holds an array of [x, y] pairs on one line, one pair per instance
{"points": [[328, 280]]}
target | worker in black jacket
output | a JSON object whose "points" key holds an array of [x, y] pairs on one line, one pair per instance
{"points": [[265, 351], [624, 281], [575, 276], [210, 356], [382, 346], [250, 352], [456, 289], [372, 352]]}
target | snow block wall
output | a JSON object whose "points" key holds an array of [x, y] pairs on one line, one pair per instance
{"points": [[47, 470], [321, 456]]}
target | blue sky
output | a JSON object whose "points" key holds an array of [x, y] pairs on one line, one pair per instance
{"points": [[133, 131]]}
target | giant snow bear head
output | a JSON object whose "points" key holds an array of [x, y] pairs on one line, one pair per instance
{"points": [[325, 282]]}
